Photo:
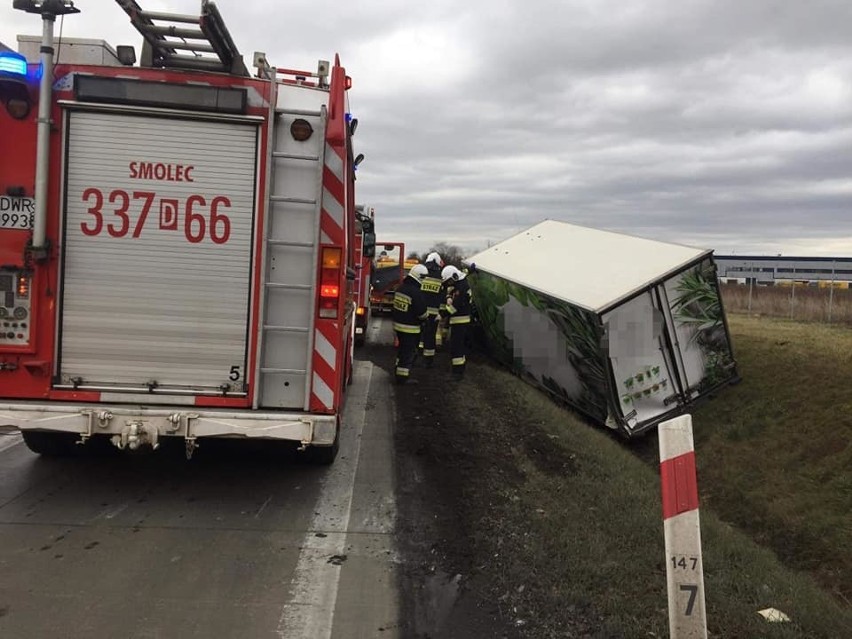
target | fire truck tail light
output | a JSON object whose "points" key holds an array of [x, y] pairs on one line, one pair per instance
{"points": [[23, 286], [330, 291], [330, 282], [360, 310]]}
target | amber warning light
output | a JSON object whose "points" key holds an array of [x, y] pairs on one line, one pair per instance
{"points": [[330, 282], [23, 286]]}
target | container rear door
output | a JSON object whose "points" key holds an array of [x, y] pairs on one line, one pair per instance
{"points": [[159, 219], [640, 357], [693, 310]]}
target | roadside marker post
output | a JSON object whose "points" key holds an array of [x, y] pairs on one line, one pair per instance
{"points": [[684, 568]]}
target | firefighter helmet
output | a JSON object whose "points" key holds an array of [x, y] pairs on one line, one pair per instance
{"points": [[450, 272], [418, 272], [435, 257]]}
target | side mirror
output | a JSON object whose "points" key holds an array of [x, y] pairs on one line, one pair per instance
{"points": [[126, 54], [368, 244]]}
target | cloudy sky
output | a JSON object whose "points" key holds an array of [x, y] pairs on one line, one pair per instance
{"points": [[724, 124]]}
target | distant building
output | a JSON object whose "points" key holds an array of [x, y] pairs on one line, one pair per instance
{"points": [[779, 270]]}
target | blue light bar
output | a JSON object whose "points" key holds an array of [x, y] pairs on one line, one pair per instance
{"points": [[13, 63]]}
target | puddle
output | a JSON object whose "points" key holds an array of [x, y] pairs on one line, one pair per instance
{"points": [[435, 600]]}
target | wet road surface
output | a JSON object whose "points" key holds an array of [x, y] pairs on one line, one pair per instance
{"points": [[245, 540]]}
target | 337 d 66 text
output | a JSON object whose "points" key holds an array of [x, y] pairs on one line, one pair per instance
{"points": [[121, 214]]}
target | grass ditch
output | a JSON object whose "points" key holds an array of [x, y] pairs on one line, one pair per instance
{"points": [[775, 452], [572, 542]]}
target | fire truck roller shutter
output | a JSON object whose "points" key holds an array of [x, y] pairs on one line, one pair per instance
{"points": [[157, 252]]}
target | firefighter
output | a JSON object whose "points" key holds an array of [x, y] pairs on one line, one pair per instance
{"points": [[432, 293], [409, 311], [458, 310]]}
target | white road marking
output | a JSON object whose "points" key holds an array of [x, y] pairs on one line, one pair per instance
{"points": [[110, 513], [309, 611], [9, 441], [263, 507]]}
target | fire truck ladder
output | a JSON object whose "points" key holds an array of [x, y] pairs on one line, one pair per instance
{"points": [[162, 42], [292, 250]]}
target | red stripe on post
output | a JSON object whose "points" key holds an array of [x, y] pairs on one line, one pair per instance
{"points": [[679, 485]]}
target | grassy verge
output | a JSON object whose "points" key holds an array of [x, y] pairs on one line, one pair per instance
{"points": [[775, 452], [565, 523]]}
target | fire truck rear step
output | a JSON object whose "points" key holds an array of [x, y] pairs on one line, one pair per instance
{"points": [[291, 200], [150, 424], [289, 243], [295, 287], [295, 156], [299, 112]]}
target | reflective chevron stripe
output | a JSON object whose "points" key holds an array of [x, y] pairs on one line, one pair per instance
{"points": [[328, 355]]}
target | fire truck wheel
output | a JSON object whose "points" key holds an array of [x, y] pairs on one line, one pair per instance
{"points": [[324, 455], [51, 444]]}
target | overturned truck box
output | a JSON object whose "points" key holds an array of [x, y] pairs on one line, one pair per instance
{"points": [[627, 330]]}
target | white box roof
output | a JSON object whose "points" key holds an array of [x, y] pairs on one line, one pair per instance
{"points": [[70, 51], [584, 266]]}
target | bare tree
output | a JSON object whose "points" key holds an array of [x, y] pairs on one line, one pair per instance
{"points": [[450, 253]]}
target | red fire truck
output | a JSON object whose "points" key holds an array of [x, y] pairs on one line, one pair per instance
{"points": [[365, 250], [176, 240]]}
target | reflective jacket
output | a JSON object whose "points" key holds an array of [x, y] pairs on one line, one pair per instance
{"points": [[409, 307], [431, 287], [458, 305]]}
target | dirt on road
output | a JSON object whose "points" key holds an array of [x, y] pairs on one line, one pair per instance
{"points": [[460, 528]]}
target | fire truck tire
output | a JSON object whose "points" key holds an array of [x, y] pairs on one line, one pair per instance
{"points": [[324, 455], [50, 444]]}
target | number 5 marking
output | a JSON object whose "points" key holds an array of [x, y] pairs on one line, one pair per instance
{"points": [[693, 591], [234, 374]]}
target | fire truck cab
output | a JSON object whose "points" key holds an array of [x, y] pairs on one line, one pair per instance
{"points": [[176, 240], [388, 271]]}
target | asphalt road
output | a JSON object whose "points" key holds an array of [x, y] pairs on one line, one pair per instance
{"points": [[239, 542]]}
